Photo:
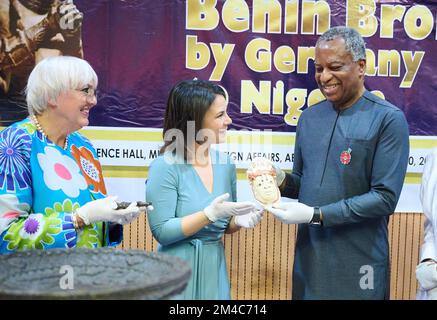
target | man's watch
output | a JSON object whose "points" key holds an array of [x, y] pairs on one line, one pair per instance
{"points": [[316, 217]]}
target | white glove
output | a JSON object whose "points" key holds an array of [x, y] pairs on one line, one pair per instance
{"points": [[292, 212], [104, 210], [219, 208], [249, 220], [280, 175], [432, 294], [426, 274]]}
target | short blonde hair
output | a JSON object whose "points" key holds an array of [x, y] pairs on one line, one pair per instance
{"points": [[55, 75]]}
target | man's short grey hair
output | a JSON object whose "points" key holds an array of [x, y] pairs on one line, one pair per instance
{"points": [[55, 75], [354, 42]]}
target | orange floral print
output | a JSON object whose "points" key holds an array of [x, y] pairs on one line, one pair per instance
{"points": [[90, 167]]}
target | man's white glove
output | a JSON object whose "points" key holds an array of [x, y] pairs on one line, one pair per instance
{"points": [[292, 212], [104, 210], [426, 274], [280, 175], [249, 220], [219, 208], [432, 294]]}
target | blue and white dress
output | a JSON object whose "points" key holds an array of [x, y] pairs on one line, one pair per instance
{"points": [[41, 185]]}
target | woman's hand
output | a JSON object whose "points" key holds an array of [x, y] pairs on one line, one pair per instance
{"points": [[249, 220], [106, 210], [219, 208]]}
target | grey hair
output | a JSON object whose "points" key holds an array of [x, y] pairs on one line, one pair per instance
{"points": [[354, 42], [55, 75]]}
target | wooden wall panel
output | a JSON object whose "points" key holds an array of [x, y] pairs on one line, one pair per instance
{"points": [[405, 236], [260, 260]]}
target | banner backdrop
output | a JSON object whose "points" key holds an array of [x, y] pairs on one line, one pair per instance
{"points": [[262, 52]]}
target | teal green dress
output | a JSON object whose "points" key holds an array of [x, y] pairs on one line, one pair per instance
{"points": [[176, 191]]}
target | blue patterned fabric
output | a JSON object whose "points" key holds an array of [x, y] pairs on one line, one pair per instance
{"points": [[41, 185]]}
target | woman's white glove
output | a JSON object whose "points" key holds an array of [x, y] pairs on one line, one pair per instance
{"points": [[219, 208], [249, 220], [292, 212], [105, 210], [426, 274]]}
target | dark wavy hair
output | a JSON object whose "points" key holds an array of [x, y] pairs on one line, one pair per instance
{"points": [[189, 100]]}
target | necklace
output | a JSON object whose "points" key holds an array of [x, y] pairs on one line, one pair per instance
{"points": [[40, 129]]}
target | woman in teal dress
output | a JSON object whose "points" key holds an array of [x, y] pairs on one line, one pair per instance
{"points": [[189, 185], [52, 193]]}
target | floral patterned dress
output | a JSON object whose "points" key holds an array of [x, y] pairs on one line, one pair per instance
{"points": [[41, 185]]}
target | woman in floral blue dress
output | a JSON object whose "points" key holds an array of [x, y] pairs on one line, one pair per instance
{"points": [[52, 193]]}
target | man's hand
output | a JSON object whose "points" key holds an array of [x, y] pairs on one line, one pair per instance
{"points": [[292, 212], [426, 274]]}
